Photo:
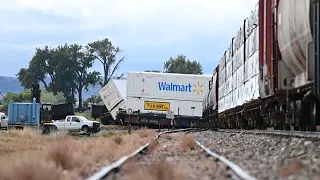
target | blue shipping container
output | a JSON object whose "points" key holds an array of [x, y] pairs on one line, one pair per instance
{"points": [[24, 114]]}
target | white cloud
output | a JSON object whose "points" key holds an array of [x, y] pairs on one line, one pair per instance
{"points": [[147, 20]]}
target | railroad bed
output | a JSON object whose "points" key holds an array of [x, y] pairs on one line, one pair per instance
{"points": [[267, 156], [172, 156]]}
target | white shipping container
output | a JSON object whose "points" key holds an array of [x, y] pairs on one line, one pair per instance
{"points": [[113, 93], [167, 86], [221, 91], [252, 43], [113, 112], [228, 87], [238, 59], [222, 75], [229, 69], [221, 105], [234, 81], [251, 89], [240, 75], [251, 67], [147, 105]]}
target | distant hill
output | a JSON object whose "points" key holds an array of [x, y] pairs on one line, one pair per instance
{"points": [[12, 84]]}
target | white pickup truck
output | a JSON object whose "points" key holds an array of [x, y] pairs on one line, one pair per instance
{"points": [[72, 123]]}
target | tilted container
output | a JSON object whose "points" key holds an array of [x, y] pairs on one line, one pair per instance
{"points": [[113, 93]]}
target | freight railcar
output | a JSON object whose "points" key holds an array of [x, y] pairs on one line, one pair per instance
{"points": [[150, 96], [269, 75]]}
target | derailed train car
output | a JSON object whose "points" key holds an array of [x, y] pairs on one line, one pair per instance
{"points": [[269, 75]]}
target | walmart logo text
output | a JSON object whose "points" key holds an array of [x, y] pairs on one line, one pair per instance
{"points": [[164, 86]]}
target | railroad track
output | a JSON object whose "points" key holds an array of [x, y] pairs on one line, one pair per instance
{"points": [[301, 134], [234, 171]]}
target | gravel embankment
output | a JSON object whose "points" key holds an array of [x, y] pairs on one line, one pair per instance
{"points": [[267, 157], [173, 156]]}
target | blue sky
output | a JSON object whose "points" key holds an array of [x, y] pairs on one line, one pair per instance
{"points": [[148, 31]]}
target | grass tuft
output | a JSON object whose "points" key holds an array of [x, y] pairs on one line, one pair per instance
{"points": [[187, 143]]}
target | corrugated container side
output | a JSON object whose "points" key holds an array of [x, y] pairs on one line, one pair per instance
{"points": [[113, 93], [22, 113], [133, 85], [222, 76], [252, 20], [252, 43], [238, 40], [228, 54], [228, 87], [221, 91], [169, 86], [184, 106], [229, 69], [251, 66], [221, 105], [238, 58], [240, 76], [234, 81], [113, 112], [222, 62], [240, 95]]}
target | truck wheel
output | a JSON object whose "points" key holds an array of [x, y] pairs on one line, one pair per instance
{"points": [[85, 129], [46, 130]]}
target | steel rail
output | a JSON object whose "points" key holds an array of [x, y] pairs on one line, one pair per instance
{"points": [[234, 167], [300, 134], [105, 171]]}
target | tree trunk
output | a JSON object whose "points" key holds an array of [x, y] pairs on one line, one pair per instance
{"points": [[106, 74], [80, 98]]}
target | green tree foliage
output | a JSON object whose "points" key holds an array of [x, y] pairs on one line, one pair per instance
{"points": [[68, 68], [49, 97], [106, 53], [94, 99], [182, 65], [46, 97]]}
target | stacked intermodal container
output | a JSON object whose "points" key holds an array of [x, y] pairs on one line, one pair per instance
{"points": [[162, 92]]}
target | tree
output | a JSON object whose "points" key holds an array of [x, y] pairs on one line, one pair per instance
{"points": [[106, 53], [181, 64], [81, 63], [49, 97], [94, 99]]}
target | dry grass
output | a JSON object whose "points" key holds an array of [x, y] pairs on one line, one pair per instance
{"points": [[153, 144], [187, 143], [157, 171], [167, 136], [28, 155], [145, 132]]}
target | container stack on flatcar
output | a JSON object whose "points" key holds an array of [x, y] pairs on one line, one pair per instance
{"points": [[269, 75]]}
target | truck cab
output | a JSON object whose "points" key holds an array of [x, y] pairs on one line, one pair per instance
{"points": [[3, 121], [72, 123]]}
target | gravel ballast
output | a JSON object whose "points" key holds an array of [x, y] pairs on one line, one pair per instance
{"points": [[174, 156], [266, 156]]}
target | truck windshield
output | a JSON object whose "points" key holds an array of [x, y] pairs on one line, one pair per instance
{"points": [[83, 118]]}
